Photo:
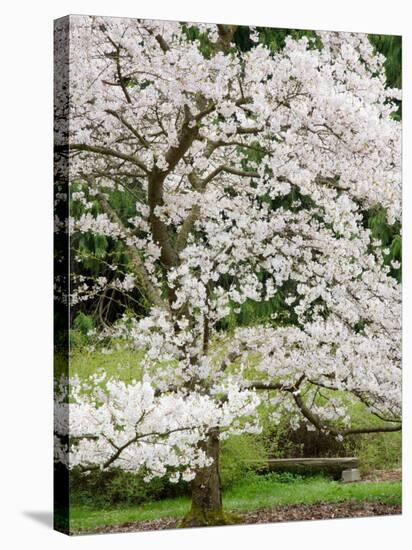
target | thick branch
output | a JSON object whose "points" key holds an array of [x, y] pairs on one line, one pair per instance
{"points": [[185, 139], [187, 228], [162, 43], [278, 385], [164, 46], [120, 77], [229, 170], [105, 151], [168, 255], [318, 423], [255, 131], [226, 33]]}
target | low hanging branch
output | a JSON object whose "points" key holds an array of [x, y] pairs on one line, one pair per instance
{"points": [[322, 427]]}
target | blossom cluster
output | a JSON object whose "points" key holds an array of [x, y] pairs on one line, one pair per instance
{"points": [[110, 424]]}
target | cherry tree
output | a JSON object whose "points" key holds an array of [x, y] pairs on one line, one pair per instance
{"points": [[251, 172]]}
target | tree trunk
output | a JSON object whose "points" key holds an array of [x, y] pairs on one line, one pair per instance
{"points": [[207, 506]]}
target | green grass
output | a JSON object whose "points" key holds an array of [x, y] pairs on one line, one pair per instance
{"points": [[253, 493], [123, 364], [86, 517], [267, 491]]}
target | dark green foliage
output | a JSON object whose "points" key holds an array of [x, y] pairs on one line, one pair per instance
{"points": [[250, 313], [193, 33], [390, 237], [242, 40], [116, 486], [391, 47], [272, 38], [79, 334], [83, 323], [284, 477], [98, 253]]}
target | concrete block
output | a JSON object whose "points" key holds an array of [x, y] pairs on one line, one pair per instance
{"points": [[351, 475]]}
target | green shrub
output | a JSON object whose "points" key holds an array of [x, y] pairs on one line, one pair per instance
{"points": [[285, 477], [83, 323], [78, 340], [241, 454], [380, 451], [111, 487], [79, 334]]}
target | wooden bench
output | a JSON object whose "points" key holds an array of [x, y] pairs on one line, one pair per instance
{"points": [[332, 466]]}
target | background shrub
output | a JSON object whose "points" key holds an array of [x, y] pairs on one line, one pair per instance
{"points": [[116, 486], [241, 455]]}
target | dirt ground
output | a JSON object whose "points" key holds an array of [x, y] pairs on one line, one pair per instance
{"points": [[297, 512]]}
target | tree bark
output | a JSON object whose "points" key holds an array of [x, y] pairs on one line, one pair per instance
{"points": [[207, 508]]}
